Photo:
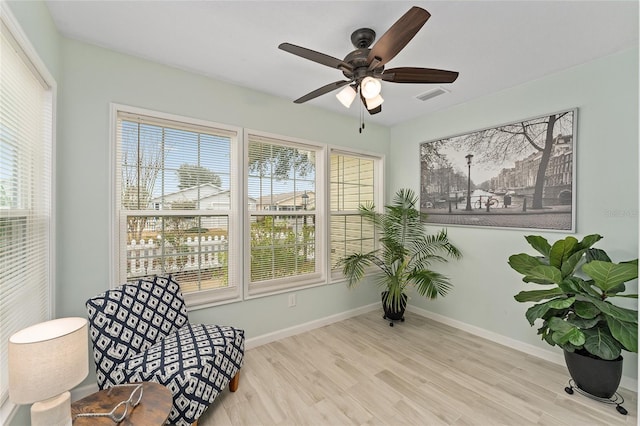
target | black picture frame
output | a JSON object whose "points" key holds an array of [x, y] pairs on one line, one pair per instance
{"points": [[520, 175]]}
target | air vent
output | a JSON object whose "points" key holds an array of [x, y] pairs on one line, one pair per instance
{"points": [[432, 93]]}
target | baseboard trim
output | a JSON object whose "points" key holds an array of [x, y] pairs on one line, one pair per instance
{"points": [[308, 326], [547, 355]]}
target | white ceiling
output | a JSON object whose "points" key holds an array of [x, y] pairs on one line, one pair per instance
{"points": [[493, 44]]}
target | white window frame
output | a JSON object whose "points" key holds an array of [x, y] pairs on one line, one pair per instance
{"points": [[336, 274], [32, 59], [275, 286], [198, 299]]}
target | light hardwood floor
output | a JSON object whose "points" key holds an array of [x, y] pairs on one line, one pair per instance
{"points": [[360, 371]]}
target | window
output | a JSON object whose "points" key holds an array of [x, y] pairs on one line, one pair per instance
{"points": [[284, 200], [353, 182], [179, 211], [176, 202], [26, 180]]}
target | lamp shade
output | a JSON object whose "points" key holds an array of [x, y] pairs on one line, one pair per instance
{"points": [[374, 102], [370, 87], [346, 96], [47, 359]]}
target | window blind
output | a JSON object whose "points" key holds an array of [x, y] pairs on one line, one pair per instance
{"points": [[176, 202], [282, 203], [353, 183], [26, 151]]}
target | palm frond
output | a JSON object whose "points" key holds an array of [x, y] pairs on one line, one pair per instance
{"points": [[430, 283], [353, 267], [406, 250]]}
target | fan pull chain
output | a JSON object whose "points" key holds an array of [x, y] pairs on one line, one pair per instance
{"points": [[361, 113]]}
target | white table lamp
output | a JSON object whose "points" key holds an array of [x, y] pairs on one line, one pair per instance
{"points": [[46, 360]]}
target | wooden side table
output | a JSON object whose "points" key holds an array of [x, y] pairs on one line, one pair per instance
{"points": [[154, 408]]}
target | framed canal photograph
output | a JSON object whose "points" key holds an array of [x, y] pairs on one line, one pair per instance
{"points": [[517, 175]]}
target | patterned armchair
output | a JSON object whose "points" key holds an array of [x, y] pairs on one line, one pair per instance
{"points": [[141, 332]]}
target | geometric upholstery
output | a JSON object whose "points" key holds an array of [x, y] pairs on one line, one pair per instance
{"points": [[141, 332]]}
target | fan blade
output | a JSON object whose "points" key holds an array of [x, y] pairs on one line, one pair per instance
{"points": [[321, 91], [314, 56], [397, 37], [419, 75]]}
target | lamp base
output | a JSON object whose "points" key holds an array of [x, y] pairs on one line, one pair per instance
{"points": [[54, 411]]}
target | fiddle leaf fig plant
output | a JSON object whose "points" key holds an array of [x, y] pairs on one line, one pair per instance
{"points": [[574, 304]]}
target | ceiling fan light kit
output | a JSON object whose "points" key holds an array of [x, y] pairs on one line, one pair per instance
{"points": [[346, 96], [370, 87], [364, 67], [373, 103]]}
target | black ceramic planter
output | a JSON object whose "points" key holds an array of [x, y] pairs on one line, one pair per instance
{"points": [[597, 377], [392, 314]]}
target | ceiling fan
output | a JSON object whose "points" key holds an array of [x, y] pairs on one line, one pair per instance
{"points": [[364, 67]]}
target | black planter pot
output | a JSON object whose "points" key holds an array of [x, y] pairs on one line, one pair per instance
{"points": [[597, 377], [390, 313]]}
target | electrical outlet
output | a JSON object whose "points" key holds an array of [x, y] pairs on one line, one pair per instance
{"points": [[292, 300]]}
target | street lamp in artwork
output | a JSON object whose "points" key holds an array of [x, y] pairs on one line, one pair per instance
{"points": [[469, 157]]}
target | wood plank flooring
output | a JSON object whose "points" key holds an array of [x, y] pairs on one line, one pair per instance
{"points": [[360, 371]]}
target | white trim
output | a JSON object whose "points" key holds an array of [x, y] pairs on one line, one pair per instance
{"points": [[545, 354], [308, 326]]}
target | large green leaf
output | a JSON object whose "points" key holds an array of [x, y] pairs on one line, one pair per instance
{"points": [[540, 244], [597, 254], [569, 266], [601, 344], [536, 311], [571, 285], [585, 310], [582, 323], [523, 263], [586, 287], [561, 302], [561, 250], [545, 274], [622, 314], [589, 240], [608, 275], [538, 295], [624, 332], [564, 332]]}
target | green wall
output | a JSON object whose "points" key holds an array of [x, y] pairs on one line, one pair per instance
{"points": [[89, 78], [605, 92]]}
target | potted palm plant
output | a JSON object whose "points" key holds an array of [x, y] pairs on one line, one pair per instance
{"points": [[575, 309], [405, 254]]}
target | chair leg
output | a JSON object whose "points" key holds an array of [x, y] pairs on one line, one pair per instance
{"points": [[233, 384]]}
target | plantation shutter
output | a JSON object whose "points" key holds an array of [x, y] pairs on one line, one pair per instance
{"points": [[26, 151]]}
